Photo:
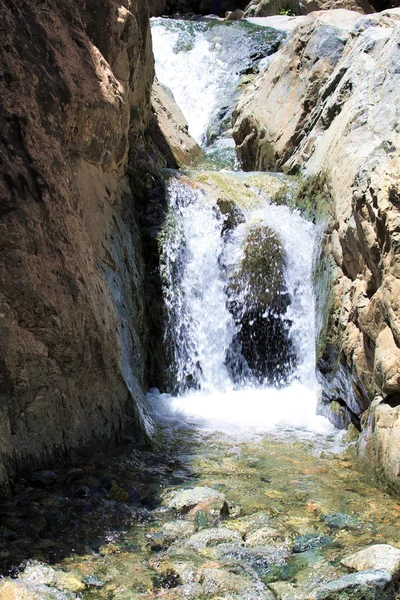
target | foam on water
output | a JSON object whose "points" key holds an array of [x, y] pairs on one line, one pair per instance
{"points": [[248, 412]]}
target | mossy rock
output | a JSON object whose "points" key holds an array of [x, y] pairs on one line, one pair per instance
{"points": [[258, 300], [260, 276], [245, 192]]}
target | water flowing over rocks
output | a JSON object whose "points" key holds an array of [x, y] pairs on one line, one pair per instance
{"points": [[327, 103]]}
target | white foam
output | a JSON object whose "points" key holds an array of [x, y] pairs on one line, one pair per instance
{"points": [[248, 412]]}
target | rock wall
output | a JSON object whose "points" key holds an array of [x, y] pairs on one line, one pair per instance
{"points": [[75, 84], [329, 103]]}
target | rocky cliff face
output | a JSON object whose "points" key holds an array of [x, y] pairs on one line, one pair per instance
{"points": [[75, 85], [328, 104]]}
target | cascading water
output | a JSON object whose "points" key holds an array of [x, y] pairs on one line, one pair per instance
{"points": [[238, 282]]}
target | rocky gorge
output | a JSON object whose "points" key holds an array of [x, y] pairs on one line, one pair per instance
{"points": [[217, 492], [328, 105]]}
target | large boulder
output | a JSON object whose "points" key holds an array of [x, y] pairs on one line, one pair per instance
{"points": [[328, 103]]}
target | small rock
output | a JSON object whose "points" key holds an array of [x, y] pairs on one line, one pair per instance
{"points": [[213, 537], [11, 590], [341, 521], [93, 581], [219, 581], [118, 494], [266, 536], [379, 556], [365, 585], [302, 543], [175, 530], [186, 500], [234, 15]]}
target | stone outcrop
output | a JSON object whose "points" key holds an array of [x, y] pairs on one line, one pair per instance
{"points": [[328, 103], [75, 88], [266, 8], [175, 140]]}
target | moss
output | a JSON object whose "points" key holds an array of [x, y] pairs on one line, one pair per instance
{"points": [[246, 193], [313, 197], [260, 273]]}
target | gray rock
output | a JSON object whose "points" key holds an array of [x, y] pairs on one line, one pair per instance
{"points": [[213, 537], [219, 581], [305, 542], [366, 585], [341, 521], [177, 530], [185, 500], [379, 556]]}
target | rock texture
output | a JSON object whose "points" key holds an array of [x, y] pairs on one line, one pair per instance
{"points": [[379, 556], [328, 103], [174, 129], [75, 85], [266, 8]]}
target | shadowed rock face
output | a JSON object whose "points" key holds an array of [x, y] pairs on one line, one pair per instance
{"points": [[75, 87], [328, 103]]}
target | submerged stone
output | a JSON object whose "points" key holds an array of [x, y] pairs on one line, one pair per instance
{"points": [[213, 537], [341, 521], [93, 581], [308, 541], [365, 585], [185, 500]]}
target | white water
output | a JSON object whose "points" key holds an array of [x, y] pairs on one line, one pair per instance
{"points": [[196, 260], [201, 64]]}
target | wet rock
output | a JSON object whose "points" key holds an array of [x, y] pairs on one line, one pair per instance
{"points": [[267, 563], [265, 536], [36, 573], [184, 562], [302, 543], [379, 556], [251, 523], [177, 530], [93, 581], [118, 494], [258, 309], [284, 590], [366, 585], [219, 581], [12, 590], [186, 500], [341, 521], [157, 541], [214, 537], [234, 15]]}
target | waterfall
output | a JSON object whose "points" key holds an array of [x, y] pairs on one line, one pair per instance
{"points": [[237, 273]]}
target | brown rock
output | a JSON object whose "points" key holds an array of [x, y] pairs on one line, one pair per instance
{"points": [[173, 127], [75, 95]]}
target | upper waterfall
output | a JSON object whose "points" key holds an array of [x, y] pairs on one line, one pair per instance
{"points": [[202, 63]]}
